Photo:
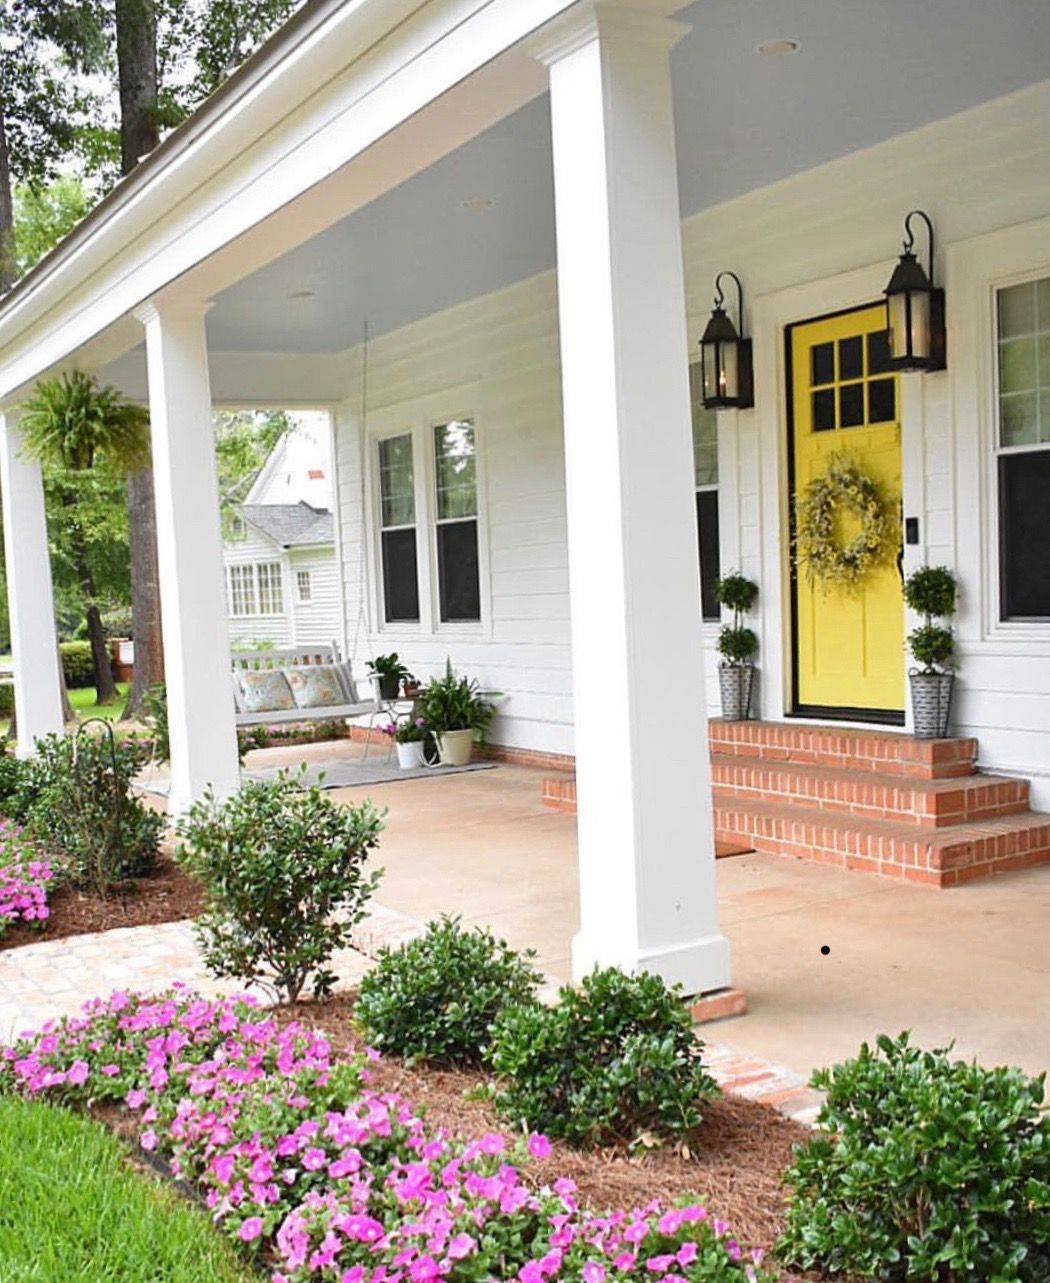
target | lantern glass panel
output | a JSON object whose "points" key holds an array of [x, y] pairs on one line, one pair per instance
{"points": [[729, 374]]}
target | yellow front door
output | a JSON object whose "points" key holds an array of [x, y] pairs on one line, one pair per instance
{"points": [[849, 654]]}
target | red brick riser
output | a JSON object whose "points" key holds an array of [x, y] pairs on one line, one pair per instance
{"points": [[874, 801]]}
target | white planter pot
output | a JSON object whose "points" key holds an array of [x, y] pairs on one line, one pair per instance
{"points": [[410, 756], [454, 747]]}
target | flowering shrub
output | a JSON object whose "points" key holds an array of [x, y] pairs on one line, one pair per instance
{"points": [[301, 1161], [615, 1059], [24, 879], [435, 997], [283, 868]]}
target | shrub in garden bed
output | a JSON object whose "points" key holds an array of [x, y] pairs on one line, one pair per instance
{"points": [[77, 664], [69, 795], [306, 1166], [283, 869], [435, 997], [615, 1060], [925, 1169]]}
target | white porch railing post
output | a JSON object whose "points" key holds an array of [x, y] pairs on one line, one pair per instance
{"points": [[189, 548], [30, 596], [645, 832]]}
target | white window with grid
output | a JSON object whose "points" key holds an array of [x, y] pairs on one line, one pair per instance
{"points": [[242, 590], [271, 595], [303, 586]]}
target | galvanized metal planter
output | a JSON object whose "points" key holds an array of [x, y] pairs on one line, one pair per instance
{"points": [[735, 682], [931, 703]]}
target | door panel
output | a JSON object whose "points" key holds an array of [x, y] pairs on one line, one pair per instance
{"points": [[848, 643]]}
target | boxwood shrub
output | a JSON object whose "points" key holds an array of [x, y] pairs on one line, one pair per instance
{"points": [[614, 1060], [435, 997], [77, 664], [925, 1168]]}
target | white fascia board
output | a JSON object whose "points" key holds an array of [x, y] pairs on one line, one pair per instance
{"points": [[375, 64]]}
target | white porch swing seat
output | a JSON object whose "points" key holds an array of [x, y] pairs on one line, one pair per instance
{"points": [[297, 657]]}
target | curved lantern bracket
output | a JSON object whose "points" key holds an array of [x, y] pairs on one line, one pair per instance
{"points": [[725, 356]]}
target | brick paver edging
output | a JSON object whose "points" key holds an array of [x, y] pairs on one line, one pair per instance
{"points": [[54, 977]]}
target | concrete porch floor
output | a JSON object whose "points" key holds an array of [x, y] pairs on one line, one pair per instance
{"points": [[971, 963]]}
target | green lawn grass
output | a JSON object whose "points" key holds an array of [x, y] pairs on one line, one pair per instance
{"points": [[73, 1210], [84, 704]]}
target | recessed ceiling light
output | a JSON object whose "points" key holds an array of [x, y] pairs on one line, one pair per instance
{"points": [[297, 294], [478, 204], [777, 48]]}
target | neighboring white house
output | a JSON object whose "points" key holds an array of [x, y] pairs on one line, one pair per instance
{"points": [[485, 234], [282, 581]]}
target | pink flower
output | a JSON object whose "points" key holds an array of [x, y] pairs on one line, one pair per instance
{"points": [[78, 1073], [148, 1139], [314, 1159], [593, 1272], [539, 1146], [462, 1245], [250, 1229]]}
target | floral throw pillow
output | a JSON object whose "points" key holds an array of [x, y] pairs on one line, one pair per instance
{"points": [[265, 690], [315, 686]]}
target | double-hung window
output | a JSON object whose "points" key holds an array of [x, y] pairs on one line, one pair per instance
{"points": [[1023, 449], [428, 524], [271, 594], [256, 589], [303, 586], [456, 521], [242, 590], [705, 481]]}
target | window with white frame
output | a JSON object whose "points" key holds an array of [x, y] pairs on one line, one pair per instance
{"points": [[255, 589], [303, 586], [1023, 448], [397, 529], [705, 481], [456, 521]]}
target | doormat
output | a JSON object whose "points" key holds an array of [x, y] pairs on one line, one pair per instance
{"points": [[339, 774]]}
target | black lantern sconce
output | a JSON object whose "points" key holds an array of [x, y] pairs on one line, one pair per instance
{"points": [[726, 370], [915, 309]]}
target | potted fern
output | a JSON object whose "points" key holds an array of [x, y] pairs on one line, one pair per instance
{"points": [[454, 710], [931, 591], [738, 645]]}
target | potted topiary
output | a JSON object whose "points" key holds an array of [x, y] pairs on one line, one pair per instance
{"points": [[390, 672], [410, 736], [454, 711], [738, 646], [931, 591]]}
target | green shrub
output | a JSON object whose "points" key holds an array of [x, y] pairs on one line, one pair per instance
{"points": [[737, 592], [615, 1059], [436, 997], [13, 796], [283, 868], [932, 646], [737, 645], [925, 1168], [454, 703], [118, 622], [931, 591], [7, 699], [69, 797], [155, 715], [77, 664]]}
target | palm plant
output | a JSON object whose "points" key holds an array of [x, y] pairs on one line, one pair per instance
{"points": [[73, 425]]}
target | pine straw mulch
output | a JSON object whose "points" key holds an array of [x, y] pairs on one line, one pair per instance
{"points": [[168, 894], [733, 1165]]}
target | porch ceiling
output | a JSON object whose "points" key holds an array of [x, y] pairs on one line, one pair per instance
{"points": [[866, 71]]}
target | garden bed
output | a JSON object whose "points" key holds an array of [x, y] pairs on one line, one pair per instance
{"points": [[168, 894]]}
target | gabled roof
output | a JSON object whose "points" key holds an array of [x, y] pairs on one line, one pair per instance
{"points": [[292, 525]]}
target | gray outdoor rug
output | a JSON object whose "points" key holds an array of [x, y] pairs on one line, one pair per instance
{"points": [[340, 774]]}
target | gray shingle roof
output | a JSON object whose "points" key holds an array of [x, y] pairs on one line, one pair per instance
{"points": [[292, 525]]}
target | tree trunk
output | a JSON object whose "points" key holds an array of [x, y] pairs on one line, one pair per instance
{"points": [[136, 25], [105, 687], [7, 215], [145, 591]]}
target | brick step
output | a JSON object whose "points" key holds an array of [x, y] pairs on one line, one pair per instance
{"points": [[941, 857], [927, 803], [883, 752]]}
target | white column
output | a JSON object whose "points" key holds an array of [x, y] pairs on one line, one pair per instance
{"points": [[30, 597], [189, 548], [646, 842]]}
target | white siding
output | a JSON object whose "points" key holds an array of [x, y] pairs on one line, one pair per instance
{"points": [[317, 620], [248, 629], [816, 242]]}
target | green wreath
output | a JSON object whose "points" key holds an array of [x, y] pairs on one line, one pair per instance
{"points": [[843, 488]]}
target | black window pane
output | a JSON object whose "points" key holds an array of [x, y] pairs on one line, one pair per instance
{"points": [[458, 580], [881, 401], [823, 410], [822, 363], [1024, 535], [879, 352], [851, 405], [400, 578], [851, 357], [710, 567]]}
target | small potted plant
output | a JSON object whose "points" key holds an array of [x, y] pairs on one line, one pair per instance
{"points": [[410, 736], [738, 646], [930, 591], [454, 711], [390, 672]]}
